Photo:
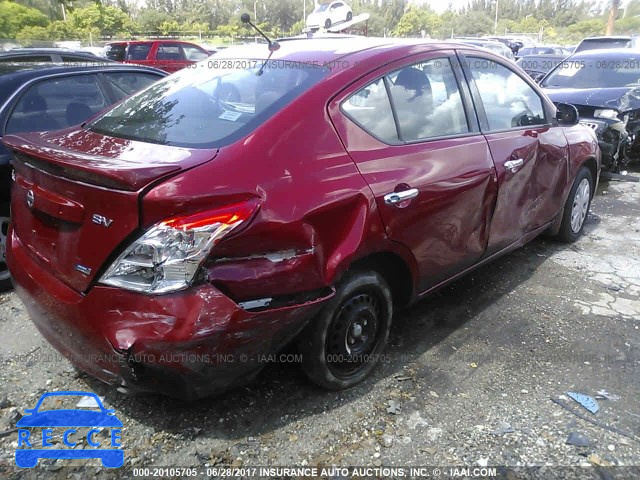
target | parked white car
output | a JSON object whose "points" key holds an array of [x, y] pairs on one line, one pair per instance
{"points": [[328, 14]]}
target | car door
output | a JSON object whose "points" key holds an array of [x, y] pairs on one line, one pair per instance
{"points": [[414, 136], [529, 152], [170, 57]]}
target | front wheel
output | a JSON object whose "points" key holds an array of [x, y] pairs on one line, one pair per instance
{"points": [[349, 16], [341, 346], [5, 276], [327, 23], [576, 209]]}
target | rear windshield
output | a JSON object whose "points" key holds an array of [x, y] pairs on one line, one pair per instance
{"points": [[203, 107]]}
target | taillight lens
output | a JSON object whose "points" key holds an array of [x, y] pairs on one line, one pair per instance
{"points": [[167, 257]]}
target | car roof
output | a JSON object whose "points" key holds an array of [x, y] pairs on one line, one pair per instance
{"points": [[323, 51], [14, 75]]}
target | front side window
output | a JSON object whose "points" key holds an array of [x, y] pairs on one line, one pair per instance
{"points": [[509, 101], [169, 51], [27, 59], [194, 54], [427, 101], [208, 108]]}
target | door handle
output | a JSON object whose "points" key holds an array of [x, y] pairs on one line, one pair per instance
{"points": [[396, 198], [514, 165]]}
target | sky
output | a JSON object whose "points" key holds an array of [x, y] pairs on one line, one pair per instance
{"points": [[443, 5]]}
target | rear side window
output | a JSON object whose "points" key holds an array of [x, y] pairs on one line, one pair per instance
{"points": [[509, 101], [124, 84], [426, 100], [115, 52], [57, 103], [207, 108], [371, 110], [169, 51], [139, 51]]}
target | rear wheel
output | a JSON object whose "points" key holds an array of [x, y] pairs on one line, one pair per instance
{"points": [[577, 207], [341, 346], [5, 276], [349, 16]]}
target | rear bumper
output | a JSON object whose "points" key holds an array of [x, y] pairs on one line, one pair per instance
{"points": [[188, 344]]}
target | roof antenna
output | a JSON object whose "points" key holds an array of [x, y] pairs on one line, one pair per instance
{"points": [[273, 46]]}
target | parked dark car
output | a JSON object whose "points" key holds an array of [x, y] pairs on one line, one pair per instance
{"points": [[604, 85], [35, 98], [183, 238], [537, 66], [167, 55], [602, 43], [491, 45], [48, 55], [543, 50]]}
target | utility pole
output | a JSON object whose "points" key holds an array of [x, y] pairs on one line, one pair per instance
{"points": [[495, 23], [613, 13]]}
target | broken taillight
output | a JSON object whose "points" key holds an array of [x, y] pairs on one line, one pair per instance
{"points": [[166, 258]]}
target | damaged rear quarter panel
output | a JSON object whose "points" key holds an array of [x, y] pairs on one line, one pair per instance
{"points": [[316, 212]]}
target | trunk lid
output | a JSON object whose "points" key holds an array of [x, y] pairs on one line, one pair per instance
{"points": [[76, 195]]}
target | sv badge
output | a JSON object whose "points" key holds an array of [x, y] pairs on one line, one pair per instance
{"points": [[101, 220]]}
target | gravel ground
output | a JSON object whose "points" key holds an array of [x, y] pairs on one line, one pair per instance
{"points": [[469, 378]]}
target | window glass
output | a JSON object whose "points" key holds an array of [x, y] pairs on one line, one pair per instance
{"points": [[205, 108], [138, 51], [427, 101], [27, 59], [74, 59], [509, 101], [194, 54], [370, 109], [169, 51], [124, 84], [57, 103], [115, 52]]}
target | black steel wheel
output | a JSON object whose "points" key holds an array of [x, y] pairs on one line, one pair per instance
{"points": [[342, 345]]}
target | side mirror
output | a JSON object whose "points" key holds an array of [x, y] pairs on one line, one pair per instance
{"points": [[567, 115]]}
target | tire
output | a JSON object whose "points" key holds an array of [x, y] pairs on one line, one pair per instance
{"points": [[576, 209], [342, 344], [5, 276], [349, 16], [327, 23]]}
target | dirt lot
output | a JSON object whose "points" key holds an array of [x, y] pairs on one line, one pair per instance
{"points": [[470, 376]]}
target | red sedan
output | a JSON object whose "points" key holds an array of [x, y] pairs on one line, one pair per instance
{"points": [[175, 242]]}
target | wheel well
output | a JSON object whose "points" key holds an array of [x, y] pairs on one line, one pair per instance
{"points": [[394, 270], [592, 166]]}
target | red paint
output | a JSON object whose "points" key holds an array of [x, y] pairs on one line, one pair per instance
{"points": [[152, 59], [315, 184]]}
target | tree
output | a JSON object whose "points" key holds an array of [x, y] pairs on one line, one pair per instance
{"points": [[417, 20], [15, 17]]}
